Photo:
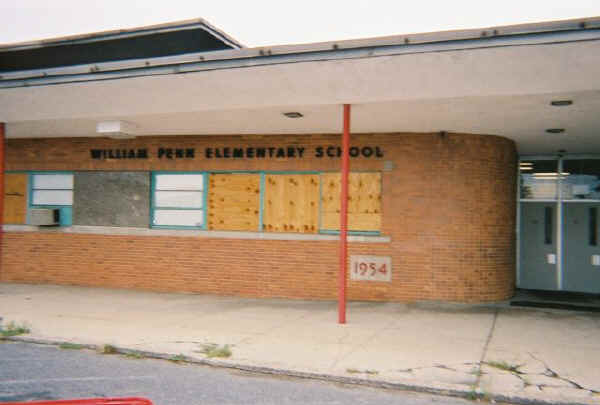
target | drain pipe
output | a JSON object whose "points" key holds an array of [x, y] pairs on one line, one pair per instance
{"points": [[344, 217], [2, 133]]}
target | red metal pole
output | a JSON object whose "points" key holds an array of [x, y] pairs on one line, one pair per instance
{"points": [[2, 129], [344, 217]]}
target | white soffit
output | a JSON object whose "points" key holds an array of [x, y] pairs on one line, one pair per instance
{"points": [[521, 118], [501, 90]]}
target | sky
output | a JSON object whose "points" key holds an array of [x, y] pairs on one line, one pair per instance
{"points": [[273, 22]]}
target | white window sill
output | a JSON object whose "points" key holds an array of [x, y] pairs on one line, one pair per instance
{"points": [[110, 230]]}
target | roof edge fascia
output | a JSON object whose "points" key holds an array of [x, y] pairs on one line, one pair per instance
{"points": [[124, 33], [513, 35]]}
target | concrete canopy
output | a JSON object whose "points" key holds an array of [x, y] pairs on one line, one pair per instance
{"points": [[500, 81]]}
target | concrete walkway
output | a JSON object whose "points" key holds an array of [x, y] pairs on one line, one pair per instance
{"points": [[499, 352]]}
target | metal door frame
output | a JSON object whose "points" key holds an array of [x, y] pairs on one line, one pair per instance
{"points": [[559, 210]]}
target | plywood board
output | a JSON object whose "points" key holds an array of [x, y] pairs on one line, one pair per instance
{"points": [[291, 203], [356, 222], [15, 198], [234, 202], [364, 201]]}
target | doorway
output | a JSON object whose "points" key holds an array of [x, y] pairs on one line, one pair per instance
{"points": [[559, 224]]}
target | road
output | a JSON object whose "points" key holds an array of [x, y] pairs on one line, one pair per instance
{"points": [[37, 372]]}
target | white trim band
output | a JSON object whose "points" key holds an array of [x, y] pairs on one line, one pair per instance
{"points": [[111, 230]]}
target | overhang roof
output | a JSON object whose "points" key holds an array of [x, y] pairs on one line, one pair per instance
{"points": [[498, 81], [147, 42]]}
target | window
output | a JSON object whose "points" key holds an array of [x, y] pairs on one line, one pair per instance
{"points": [[234, 202], [364, 202], [289, 202], [539, 179], [178, 200], [581, 179], [53, 190], [15, 198]]}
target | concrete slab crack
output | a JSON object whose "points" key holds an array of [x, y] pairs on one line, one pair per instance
{"points": [[485, 348], [553, 374], [359, 346]]}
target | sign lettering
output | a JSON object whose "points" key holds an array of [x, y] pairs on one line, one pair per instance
{"points": [[371, 268], [231, 152]]}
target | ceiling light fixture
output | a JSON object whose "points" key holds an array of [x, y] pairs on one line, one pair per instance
{"points": [[116, 129], [555, 130], [550, 174], [561, 103], [293, 114]]}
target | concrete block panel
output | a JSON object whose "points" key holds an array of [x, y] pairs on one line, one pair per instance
{"points": [[112, 199]]}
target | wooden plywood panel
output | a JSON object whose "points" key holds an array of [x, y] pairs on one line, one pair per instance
{"points": [[15, 198], [356, 222], [291, 203], [364, 201], [365, 193], [234, 202]]}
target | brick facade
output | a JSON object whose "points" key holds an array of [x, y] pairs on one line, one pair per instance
{"points": [[448, 206]]}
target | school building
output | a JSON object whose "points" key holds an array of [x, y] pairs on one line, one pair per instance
{"points": [[173, 158]]}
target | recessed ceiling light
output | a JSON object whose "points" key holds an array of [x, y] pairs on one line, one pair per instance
{"points": [[555, 130], [293, 114], [561, 103]]}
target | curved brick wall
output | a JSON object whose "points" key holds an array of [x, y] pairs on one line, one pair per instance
{"points": [[453, 232], [448, 205]]}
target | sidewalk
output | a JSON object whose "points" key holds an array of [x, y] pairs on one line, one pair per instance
{"points": [[460, 349]]}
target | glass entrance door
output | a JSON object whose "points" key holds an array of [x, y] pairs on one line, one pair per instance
{"points": [[559, 224], [581, 206], [538, 225]]}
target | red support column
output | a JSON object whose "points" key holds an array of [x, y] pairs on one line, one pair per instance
{"points": [[2, 129], [344, 217]]}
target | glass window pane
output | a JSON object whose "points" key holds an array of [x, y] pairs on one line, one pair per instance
{"points": [[539, 179], [581, 179], [53, 181], [179, 182], [179, 217], [179, 199], [52, 197]]}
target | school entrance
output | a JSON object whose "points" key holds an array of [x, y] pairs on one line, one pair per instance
{"points": [[558, 224]]}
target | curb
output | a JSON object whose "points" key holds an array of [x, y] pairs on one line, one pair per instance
{"points": [[373, 383]]}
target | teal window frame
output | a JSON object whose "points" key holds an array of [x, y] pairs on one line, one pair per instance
{"points": [[154, 207], [66, 211], [263, 174]]}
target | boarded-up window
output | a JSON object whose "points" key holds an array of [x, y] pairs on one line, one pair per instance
{"points": [[111, 199], [291, 203], [234, 202], [364, 202], [15, 198]]}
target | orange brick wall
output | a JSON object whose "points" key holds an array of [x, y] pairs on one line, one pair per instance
{"points": [[448, 207]]}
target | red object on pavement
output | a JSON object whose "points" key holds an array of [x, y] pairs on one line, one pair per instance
{"points": [[88, 401]]}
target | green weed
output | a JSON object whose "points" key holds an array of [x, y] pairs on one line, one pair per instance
{"points": [[214, 350], [71, 346], [13, 329]]}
